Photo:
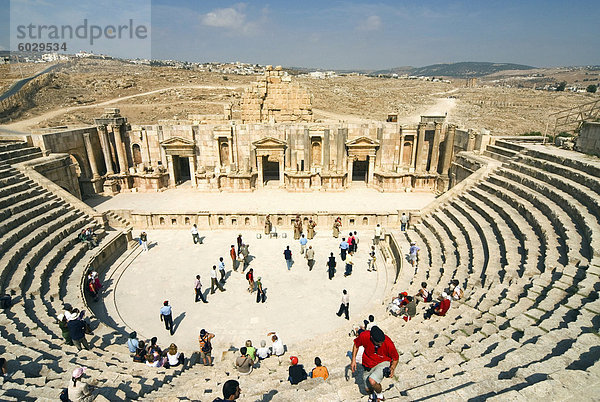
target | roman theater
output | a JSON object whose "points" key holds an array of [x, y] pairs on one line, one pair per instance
{"points": [[515, 219]]}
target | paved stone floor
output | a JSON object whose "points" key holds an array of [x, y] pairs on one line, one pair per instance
{"points": [[300, 304], [358, 200]]}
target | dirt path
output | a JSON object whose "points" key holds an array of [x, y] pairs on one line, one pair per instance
{"points": [[23, 125]]}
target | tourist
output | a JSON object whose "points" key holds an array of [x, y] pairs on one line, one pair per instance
{"points": [[310, 258], [91, 287], [302, 242], [77, 330], [268, 225], [377, 237], [337, 226], [370, 323], [372, 259], [441, 308], [379, 360], [204, 339], [277, 348], [79, 390], [233, 256], [144, 241], [244, 363], [213, 281], [155, 360], [457, 292], [297, 227], [423, 295], [349, 263], [231, 391], [251, 350], [3, 372], [403, 222], [344, 246], [350, 242], [296, 372], [395, 305], [250, 279], [174, 358], [198, 290], [140, 353], [153, 346], [345, 305], [319, 370], [239, 243], [132, 343], [195, 234], [260, 292], [221, 269], [64, 329], [413, 254], [331, 266], [166, 316], [311, 229], [355, 242], [409, 310], [287, 254], [263, 352], [243, 256]]}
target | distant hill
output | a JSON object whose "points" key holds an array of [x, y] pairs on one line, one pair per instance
{"points": [[457, 70]]}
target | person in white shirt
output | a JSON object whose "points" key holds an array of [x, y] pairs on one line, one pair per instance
{"points": [[195, 235], [222, 269], [213, 281], [277, 347], [377, 235], [344, 306], [457, 292], [174, 357], [263, 352], [371, 323]]}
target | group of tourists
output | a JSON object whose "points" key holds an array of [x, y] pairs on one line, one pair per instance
{"points": [[150, 353]]}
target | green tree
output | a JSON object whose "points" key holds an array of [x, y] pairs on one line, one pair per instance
{"points": [[561, 86], [592, 88]]}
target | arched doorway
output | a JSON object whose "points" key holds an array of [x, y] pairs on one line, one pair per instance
{"points": [[407, 155], [136, 151], [316, 155], [224, 153]]}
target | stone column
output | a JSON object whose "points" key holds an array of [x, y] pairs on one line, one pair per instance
{"points": [[371, 169], [192, 160], [435, 152], [420, 165], [281, 171], [349, 169], [90, 153], [259, 165], [448, 148], [171, 168], [379, 151], [105, 144], [294, 162], [120, 149], [413, 162], [288, 151], [326, 152], [340, 145], [401, 150], [230, 142], [306, 140]]}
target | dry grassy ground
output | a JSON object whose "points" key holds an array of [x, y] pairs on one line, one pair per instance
{"points": [[76, 93]]}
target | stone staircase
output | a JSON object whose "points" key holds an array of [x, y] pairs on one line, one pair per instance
{"points": [[42, 264]]}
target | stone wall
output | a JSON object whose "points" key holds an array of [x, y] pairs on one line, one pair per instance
{"points": [[589, 138]]}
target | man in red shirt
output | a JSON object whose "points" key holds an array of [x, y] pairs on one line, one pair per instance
{"points": [[379, 356], [443, 306]]}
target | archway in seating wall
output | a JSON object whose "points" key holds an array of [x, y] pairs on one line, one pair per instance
{"points": [[136, 153], [81, 167]]}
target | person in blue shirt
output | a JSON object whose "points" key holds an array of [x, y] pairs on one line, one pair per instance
{"points": [[132, 342], [303, 240], [166, 315], [344, 246]]}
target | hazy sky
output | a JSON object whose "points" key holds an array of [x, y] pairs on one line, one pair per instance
{"points": [[350, 34]]}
